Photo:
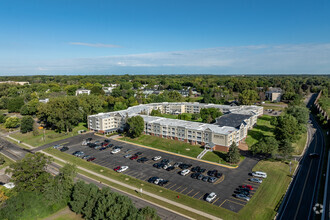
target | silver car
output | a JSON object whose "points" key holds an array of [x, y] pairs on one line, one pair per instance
{"points": [[242, 196], [256, 180]]}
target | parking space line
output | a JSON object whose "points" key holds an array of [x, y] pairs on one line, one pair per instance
{"points": [[183, 189], [178, 188], [195, 194], [215, 200], [235, 202], [189, 192], [201, 196], [223, 202], [219, 180], [239, 200], [171, 186]]}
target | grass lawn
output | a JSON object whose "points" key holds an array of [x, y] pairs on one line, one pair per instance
{"points": [[261, 206], [263, 128], [268, 196], [169, 116], [7, 162], [174, 146], [50, 135], [64, 214], [300, 144], [219, 157]]}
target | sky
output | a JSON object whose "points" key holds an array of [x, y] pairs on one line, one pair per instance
{"points": [[164, 37]]}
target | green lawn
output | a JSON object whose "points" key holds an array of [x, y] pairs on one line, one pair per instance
{"points": [[219, 157], [263, 128], [261, 205], [174, 146], [300, 144], [169, 116], [268, 196], [50, 136], [64, 214], [7, 162]]}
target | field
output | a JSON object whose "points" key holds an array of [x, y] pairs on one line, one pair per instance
{"points": [[300, 144], [64, 214], [50, 136]]}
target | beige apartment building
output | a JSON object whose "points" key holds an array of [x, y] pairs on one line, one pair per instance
{"points": [[231, 127]]}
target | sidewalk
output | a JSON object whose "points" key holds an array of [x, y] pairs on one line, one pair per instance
{"points": [[18, 141], [145, 192]]}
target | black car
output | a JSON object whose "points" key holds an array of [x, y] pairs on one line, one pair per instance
{"points": [[314, 155], [91, 145], [205, 178], [165, 161], [195, 169], [185, 166], [142, 160], [152, 179], [211, 172], [195, 175], [64, 149], [138, 153], [107, 140], [200, 176], [246, 193], [218, 175], [89, 139], [212, 179], [163, 182], [170, 168], [103, 148], [158, 165]]}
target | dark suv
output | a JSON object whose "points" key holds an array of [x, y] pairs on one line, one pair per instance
{"points": [[64, 149]]}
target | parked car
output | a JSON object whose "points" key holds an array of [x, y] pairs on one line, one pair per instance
{"points": [[259, 174], [78, 153], [212, 179], [107, 140], [184, 172], [185, 166], [218, 175], [64, 149], [165, 161], [57, 146], [163, 182], [156, 158], [177, 164], [170, 168], [103, 148], [142, 160], [128, 150], [241, 196], [138, 153], [97, 147], [128, 155], [97, 142], [91, 159], [194, 175], [114, 151], [256, 180], [152, 179], [157, 181], [205, 178], [211, 197], [243, 192], [122, 169], [133, 157], [116, 168], [200, 176], [89, 139], [86, 157], [247, 187]]}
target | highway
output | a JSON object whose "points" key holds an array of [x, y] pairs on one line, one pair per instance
{"points": [[302, 194], [16, 153]]}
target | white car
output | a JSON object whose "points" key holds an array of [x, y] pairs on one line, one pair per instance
{"points": [[157, 181], [122, 169], [211, 197], [184, 172], [157, 158], [115, 151]]}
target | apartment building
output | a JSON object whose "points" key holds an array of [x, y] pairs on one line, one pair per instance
{"points": [[231, 127]]}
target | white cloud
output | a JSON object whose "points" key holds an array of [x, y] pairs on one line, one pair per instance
{"points": [[94, 45], [254, 59]]}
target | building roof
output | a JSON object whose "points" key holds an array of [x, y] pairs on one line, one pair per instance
{"points": [[274, 90], [233, 120]]}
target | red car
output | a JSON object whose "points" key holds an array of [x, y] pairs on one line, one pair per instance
{"points": [[247, 187], [91, 159], [117, 168], [134, 157]]}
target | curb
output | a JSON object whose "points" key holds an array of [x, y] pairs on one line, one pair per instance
{"points": [[180, 155]]}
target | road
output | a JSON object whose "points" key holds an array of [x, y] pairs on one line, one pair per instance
{"points": [[301, 196], [16, 153]]}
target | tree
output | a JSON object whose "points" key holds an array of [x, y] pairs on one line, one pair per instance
{"points": [[233, 155], [119, 106], [29, 174], [285, 148], [27, 124], [15, 104], [248, 97], [209, 115], [301, 113], [12, 122], [267, 145], [35, 129], [135, 126], [2, 118], [82, 194], [195, 116], [62, 113], [184, 116], [155, 112], [2, 159], [287, 128], [149, 213]]}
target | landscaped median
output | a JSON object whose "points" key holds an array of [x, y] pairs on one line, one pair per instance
{"points": [[261, 205], [179, 147]]}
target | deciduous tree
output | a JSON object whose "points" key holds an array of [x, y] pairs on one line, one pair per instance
{"points": [[135, 126], [27, 124]]}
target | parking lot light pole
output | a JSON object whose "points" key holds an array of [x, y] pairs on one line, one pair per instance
{"points": [[290, 167]]}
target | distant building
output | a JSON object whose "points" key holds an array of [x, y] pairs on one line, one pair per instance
{"points": [[44, 100], [274, 94], [83, 91], [14, 82]]}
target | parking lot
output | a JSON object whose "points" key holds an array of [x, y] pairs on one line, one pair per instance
{"points": [[224, 186]]}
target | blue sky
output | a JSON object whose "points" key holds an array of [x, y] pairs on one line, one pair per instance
{"points": [[159, 37]]}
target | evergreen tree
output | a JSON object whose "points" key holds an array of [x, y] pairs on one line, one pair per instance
{"points": [[233, 155]]}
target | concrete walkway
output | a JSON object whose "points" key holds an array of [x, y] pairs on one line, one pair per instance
{"points": [[144, 192]]}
